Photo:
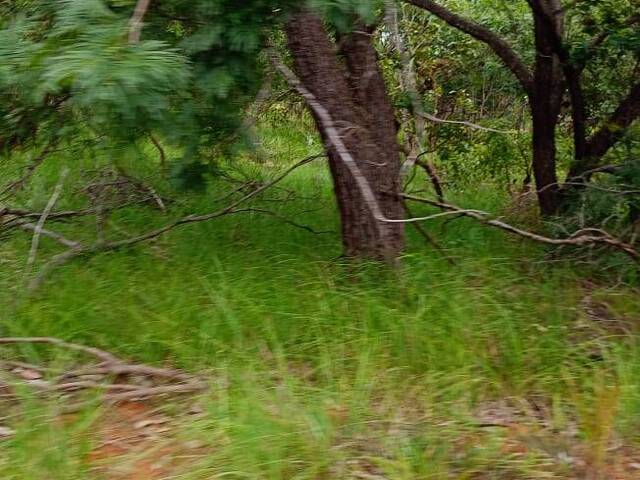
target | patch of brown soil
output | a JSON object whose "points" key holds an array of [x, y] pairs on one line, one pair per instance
{"points": [[136, 442]]}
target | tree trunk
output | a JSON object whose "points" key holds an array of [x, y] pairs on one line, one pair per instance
{"points": [[354, 94], [544, 159], [545, 99]]}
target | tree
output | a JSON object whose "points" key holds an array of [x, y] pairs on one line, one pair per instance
{"points": [[354, 95], [555, 71], [188, 75]]}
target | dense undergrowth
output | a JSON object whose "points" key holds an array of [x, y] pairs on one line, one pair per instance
{"points": [[511, 363]]}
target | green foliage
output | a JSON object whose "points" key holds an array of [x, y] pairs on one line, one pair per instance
{"points": [[196, 68], [343, 15], [71, 60]]}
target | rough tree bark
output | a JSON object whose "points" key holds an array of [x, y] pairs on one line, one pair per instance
{"points": [[354, 94], [545, 97]]}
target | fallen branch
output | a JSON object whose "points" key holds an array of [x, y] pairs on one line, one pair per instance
{"points": [[110, 367], [61, 239], [579, 238], [101, 246], [40, 225], [95, 352], [17, 213]]}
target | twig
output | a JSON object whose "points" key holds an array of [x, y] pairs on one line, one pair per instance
{"points": [[56, 261], [286, 220], [428, 167], [604, 189], [582, 237], [465, 123], [96, 352], [121, 368], [48, 233], [161, 152], [12, 364], [234, 191], [430, 217], [155, 391], [428, 238], [201, 218], [87, 384], [39, 226], [17, 213]]}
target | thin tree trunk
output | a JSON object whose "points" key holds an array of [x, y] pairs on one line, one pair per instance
{"points": [[545, 100], [354, 95], [544, 159]]}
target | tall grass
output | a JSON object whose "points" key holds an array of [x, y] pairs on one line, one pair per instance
{"points": [[319, 369]]}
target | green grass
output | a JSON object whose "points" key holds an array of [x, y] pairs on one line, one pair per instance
{"points": [[318, 369]]}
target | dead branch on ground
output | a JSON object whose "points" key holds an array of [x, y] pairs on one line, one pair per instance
{"points": [[585, 236], [77, 249], [37, 231], [108, 375]]}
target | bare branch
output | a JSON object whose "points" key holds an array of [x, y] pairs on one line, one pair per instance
{"points": [[96, 352], [465, 123], [19, 213], [110, 366], [582, 237], [39, 226], [61, 239], [142, 393]]}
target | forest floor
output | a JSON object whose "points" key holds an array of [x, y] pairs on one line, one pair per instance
{"points": [[516, 362]]}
